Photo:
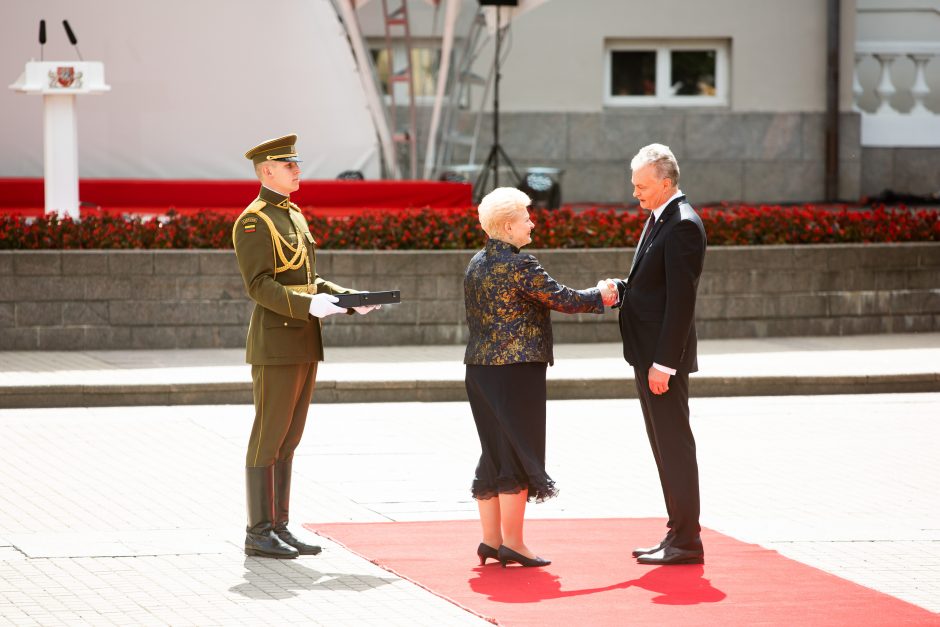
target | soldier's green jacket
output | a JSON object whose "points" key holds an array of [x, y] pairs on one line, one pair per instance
{"points": [[275, 248]]}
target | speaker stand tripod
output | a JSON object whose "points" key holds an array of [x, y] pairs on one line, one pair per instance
{"points": [[496, 151]]}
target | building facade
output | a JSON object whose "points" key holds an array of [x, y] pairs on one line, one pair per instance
{"points": [[737, 88]]}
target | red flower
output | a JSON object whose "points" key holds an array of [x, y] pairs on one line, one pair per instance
{"points": [[426, 229]]}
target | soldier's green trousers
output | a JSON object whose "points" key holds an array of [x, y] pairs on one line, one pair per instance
{"points": [[282, 397]]}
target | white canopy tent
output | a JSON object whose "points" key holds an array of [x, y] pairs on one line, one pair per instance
{"points": [[194, 85]]}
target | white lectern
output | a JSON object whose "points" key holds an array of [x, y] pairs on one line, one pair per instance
{"points": [[59, 82]]}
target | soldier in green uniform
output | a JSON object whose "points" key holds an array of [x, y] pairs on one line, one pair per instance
{"points": [[276, 256]]}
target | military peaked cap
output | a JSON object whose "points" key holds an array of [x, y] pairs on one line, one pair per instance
{"points": [[280, 149]]}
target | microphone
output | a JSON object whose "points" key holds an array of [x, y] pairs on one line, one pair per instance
{"points": [[42, 37], [72, 39], [68, 31]]}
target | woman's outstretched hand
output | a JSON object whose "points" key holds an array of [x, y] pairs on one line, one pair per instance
{"points": [[608, 292]]}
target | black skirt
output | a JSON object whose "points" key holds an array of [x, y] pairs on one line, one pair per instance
{"points": [[508, 405]]}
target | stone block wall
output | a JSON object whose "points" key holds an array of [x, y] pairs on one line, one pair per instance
{"points": [[903, 170], [84, 300], [778, 291]]}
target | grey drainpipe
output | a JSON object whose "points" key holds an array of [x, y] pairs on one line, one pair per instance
{"points": [[833, 8]]}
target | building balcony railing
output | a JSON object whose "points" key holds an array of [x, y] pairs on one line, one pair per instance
{"points": [[884, 122]]}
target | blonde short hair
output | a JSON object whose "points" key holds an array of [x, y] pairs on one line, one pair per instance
{"points": [[497, 208], [662, 160]]}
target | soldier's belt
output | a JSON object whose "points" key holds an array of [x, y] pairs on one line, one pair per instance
{"points": [[303, 289]]}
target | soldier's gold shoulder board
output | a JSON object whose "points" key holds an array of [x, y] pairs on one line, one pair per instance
{"points": [[252, 209], [255, 207]]}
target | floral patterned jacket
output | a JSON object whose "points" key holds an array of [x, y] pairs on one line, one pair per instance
{"points": [[508, 298]]}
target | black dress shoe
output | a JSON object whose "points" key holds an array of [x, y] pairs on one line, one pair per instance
{"points": [[506, 555], [637, 552], [265, 543], [485, 551], [302, 547], [669, 555]]}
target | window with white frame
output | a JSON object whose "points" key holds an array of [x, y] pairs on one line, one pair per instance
{"points": [[666, 73]]}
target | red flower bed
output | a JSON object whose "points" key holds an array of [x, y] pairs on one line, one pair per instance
{"points": [[411, 230]]}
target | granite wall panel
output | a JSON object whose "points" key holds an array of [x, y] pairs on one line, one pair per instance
{"points": [[745, 291]]}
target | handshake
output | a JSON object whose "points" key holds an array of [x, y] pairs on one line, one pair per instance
{"points": [[609, 293]]}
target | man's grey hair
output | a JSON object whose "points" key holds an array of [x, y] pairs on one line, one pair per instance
{"points": [[661, 158], [499, 207]]}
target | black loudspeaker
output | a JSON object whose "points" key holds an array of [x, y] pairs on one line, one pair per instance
{"points": [[543, 187], [350, 175], [499, 3]]}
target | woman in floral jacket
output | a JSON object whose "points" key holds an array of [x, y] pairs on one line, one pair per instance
{"points": [[508, 299]]}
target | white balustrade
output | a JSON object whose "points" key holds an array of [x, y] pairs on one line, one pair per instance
{"points": [[920, 89], [887, 126]]}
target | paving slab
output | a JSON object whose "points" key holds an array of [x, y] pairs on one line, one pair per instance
{"points": [[743, 367], [134, 515]]}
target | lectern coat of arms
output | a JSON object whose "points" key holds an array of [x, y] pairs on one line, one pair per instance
{"points": [[65, 77]]}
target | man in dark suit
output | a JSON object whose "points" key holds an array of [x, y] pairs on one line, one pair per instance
{"points": [[657, 324]]}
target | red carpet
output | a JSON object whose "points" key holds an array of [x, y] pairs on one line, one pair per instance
{"points": [[593, 581]]}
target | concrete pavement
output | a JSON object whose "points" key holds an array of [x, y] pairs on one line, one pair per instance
{"points": [[124, 515], [745, 367], [134, 514]]}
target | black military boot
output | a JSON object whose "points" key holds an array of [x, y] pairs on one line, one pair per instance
{"points": [[282, 472], [261, 539]]}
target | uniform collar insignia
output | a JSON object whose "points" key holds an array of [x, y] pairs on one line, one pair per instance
{"points": [[272, 197]]}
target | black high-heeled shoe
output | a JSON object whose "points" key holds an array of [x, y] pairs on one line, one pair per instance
{"points": [[485, 551], [505, 554]]}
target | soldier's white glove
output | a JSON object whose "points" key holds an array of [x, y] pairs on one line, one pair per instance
{"points": [[321, 306], [363, 310]]}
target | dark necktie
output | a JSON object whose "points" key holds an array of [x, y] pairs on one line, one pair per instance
{"points": [[647, 229]]}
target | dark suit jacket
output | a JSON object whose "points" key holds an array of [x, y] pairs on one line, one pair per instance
{"points": [[657, 299], [509, 298]]}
